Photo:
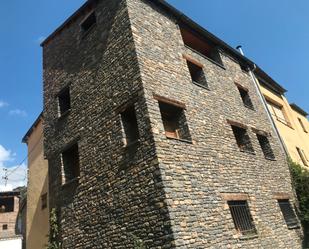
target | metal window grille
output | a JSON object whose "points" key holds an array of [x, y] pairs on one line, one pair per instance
{"points": [[242, 139], [242, 218], [265, 146], [288, 213]]}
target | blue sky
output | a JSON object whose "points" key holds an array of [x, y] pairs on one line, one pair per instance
{"points": [[273, 33]]}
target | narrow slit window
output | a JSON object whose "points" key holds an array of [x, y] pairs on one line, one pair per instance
{"points": [[288, 213], [5, 227], [70, 163], [242, 217], [64, 101], [197, 74], [265, 146], [242, 139], [44, 201], [6, 204], [200, 45], [302, 125], [302, 156], [174, 122], [89, 22], [244, 94], [129, 123]]}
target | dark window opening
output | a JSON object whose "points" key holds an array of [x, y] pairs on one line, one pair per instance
{"points": [[197, 74], [70, 163], [198, 44], [242, 139], [242, 217], [288, 213], [302, 125], [244, 68], [266, 147], [130, 126], [88, 22], [302, 156], [5, 227], [64, 101], [6, 204], [245, 97], [174, 122], [44, 201]]}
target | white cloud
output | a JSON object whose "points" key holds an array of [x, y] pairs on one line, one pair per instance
{"points": [[5, 155], [3, 104], [18, 112], [16, 178]]}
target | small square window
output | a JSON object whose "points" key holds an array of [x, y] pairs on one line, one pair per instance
{"points": [[89, 22], [6, 204], [288, 213], [244, 94], [70, 163], [64, 101], [44, 201], [197, 74], [5, 227], [266, 147], [242, 139], [129, 123], [174, 122], [242, 217]]}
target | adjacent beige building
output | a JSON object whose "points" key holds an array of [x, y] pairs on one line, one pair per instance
{"points": [[290, 120], [37, 221]]}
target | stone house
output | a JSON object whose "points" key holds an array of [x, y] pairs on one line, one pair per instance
{"points": [[37, 211], [10, 224], [155, 135]]}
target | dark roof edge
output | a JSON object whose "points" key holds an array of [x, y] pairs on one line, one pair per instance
{"points": [[299, 109], [67, 21], [187, 21], [269, 82], [25, 138]]}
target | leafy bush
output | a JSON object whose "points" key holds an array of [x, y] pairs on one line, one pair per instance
{"points": [[300, 177], [53, 240]]}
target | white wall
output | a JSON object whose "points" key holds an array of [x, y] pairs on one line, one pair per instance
{"points": [[11, 243]]}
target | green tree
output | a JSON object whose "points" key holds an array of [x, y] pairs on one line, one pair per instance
{"points": [[300, 177]]}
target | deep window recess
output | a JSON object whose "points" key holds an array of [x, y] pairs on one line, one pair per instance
{"points": [[302, 156], [70, 163], [197, 74], [201, 46], [242, 217], [44, 201], [244, 94], [278, 112], [5, 227], [174, 122], [129, 123], [6, 204], [302, 125], [64, 101], [88, 23], [242, 139], [265, 146], [288, 213]]}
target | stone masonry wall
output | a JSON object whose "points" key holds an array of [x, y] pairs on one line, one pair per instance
{"points": [[118, 198], [197, 176]]}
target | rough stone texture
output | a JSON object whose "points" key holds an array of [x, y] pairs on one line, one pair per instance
{"points": [[165, 192]]}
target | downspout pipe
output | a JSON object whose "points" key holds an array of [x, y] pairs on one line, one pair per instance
{"points": [[256, 84]]}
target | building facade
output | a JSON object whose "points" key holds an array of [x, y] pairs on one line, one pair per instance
{"points": [[155, 135], [10, 232], [37, 216], [291, 121]]}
